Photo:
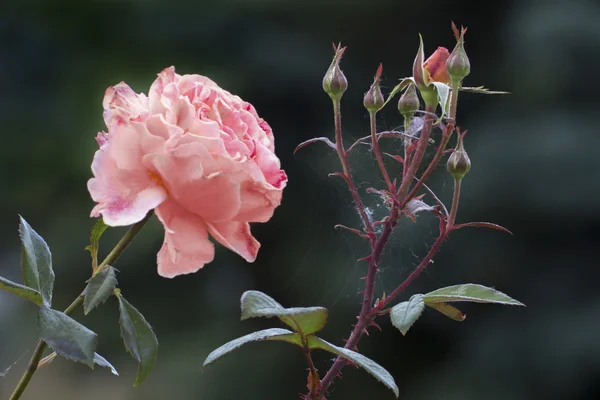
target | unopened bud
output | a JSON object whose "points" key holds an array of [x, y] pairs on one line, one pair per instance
{"points": [[334, 82], [459, 163], [458, 64], [373, 100], [409, 102]]}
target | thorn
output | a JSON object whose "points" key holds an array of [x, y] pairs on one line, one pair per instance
{"points": [[353, 230], [367, 258], [375, 325], [314, 140]]}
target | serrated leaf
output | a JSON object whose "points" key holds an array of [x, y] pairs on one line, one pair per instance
{"points": [[380, 373], [405, 314], [21, 290], [448, 310], [302, 319], [101, 361], [99, 288], [140, 341], [66, 336], [36, 262], [94, 245], [266, 334], [469, 292]]}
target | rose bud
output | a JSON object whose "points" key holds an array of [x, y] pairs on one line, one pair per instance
{"points": [[373, 100], [458, 65], [409, 102], [334, 82], [459, 163]]}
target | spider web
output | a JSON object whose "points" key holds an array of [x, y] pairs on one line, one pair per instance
{"points": [[405, 248]]}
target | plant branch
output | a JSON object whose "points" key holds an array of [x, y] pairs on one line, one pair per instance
{"points": [[440, 151], [365, 317], [377, 151], [345, 167], [454, 209], [78, 302], [417, 271]]}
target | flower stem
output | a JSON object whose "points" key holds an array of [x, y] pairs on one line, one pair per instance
{"points": [[375, 145], [454, 209], [365, 317], [345, 167], [368, 311], [419, 154], [78, 302]]}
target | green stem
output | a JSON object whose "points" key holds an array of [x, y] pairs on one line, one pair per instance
{"points": [[78, 302], [454, 209]]}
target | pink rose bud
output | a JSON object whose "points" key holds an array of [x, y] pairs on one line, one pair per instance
{"points": [[409, 102], [199, 156], [334, 82], [435, 66], [373, 100], [458, 65]]}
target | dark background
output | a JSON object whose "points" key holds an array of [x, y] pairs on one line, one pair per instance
{"points": [[535, 171]]}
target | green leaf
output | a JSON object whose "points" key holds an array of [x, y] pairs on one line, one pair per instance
{"points": [[443, 93], [366, 363], [36, 262], [404, 82], [469, 292], [266, 334], [101, 361], [99, 288], [94, 245], [138, 337], [448, 310], [23, 291], [404, 314], [306, 320], [66, 336]]}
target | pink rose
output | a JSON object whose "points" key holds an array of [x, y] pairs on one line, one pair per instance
{"points": [[198, 155]]}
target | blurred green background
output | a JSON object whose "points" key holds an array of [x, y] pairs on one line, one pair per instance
{"points": [[535, 171]]}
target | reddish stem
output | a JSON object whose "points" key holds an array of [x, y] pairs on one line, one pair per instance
{"points": [[375, 145], [346, 168], [419, 153], [415, 274], [368, 311]]}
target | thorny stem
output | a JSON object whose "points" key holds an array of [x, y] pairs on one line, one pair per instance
{"points": [[419, 153], [440, 151], [314, 375], [368, 311], [365, 317], [417, 271], [375, 145], [78, 302], [407, 144], [345, 167]]}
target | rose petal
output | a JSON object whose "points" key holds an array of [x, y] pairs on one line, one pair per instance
{"points": [[258, 202], [124, 196], [235, 236], [198, 182], [435, 65], [122, 104], [186, 247]]}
